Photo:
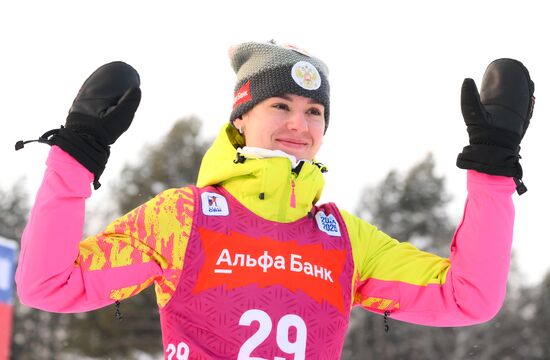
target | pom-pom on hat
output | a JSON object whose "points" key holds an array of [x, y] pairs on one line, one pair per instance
{"points": [[265, 70]]}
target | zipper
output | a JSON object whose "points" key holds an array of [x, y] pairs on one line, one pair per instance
{"points": [[293, 175]]}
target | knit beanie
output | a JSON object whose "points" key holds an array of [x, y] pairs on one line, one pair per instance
{"points": [[265, 70]]}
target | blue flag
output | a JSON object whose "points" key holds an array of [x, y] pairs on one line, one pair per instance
{"points": [[8, 249]]}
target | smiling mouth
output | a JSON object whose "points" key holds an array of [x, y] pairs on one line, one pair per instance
{"points": [[291, 143]]}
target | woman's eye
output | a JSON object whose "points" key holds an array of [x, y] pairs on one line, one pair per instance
{"points": [[281, 106], [315, 111]]}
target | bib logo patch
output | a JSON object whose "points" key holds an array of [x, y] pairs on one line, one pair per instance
{"points": [[327, 224], [214, 204], [306, 75]]}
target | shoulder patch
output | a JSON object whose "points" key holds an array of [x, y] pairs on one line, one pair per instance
{"points": [[214, 204], [327, 224]]}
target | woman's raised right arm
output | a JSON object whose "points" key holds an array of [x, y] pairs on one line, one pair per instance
{"points": [[58, 272], [46, 276]]}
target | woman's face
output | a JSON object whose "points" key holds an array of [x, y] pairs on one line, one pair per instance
{"points": [[291, 123]]}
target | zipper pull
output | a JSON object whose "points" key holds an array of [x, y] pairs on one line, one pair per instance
{"points": [[386, 321], [292, 194], [520, 186], [118, 313]]}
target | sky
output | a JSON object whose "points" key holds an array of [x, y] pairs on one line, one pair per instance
{"points": [[396, 68]]}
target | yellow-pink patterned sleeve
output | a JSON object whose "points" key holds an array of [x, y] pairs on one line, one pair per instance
{"points": [[144, 246]]}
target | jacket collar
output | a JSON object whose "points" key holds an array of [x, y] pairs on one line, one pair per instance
{"points": [[269, 187]]}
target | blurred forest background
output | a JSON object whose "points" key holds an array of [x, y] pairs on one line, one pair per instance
{"points": [[408, 204]]}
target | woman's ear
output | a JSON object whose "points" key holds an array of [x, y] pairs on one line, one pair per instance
{"points": [[238, 123]]}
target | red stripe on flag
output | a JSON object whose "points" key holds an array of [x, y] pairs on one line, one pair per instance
{"points": [[6, 312]]}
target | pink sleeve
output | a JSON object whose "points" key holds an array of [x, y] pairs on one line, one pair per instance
{"points": [[49, 274], [467, 288]]}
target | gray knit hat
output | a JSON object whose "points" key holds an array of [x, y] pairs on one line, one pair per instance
{"points": [[265, 70]]}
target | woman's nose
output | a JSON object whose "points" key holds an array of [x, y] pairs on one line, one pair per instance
{"points": [[297, 122]]}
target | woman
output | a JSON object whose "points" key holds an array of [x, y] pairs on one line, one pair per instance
{"points": [[245, 264]]}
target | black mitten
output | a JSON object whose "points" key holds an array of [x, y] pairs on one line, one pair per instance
{"points": [[497, 119], [101, 112]]}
